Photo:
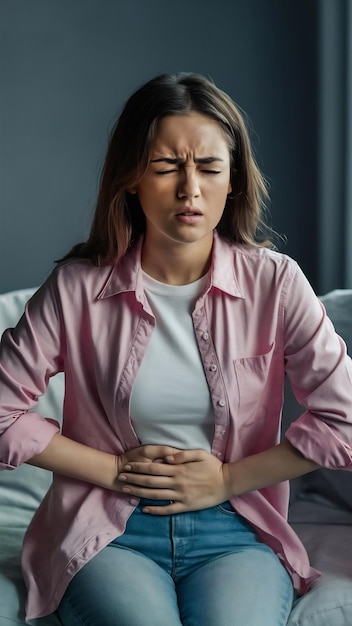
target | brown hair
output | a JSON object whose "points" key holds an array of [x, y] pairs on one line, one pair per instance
{"points": [[119, 220]]}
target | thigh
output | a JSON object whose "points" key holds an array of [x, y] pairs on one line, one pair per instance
{"points": [[120, 587], [249, 587]]}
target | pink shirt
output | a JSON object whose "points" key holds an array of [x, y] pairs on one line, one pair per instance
{"points": [[257, 318]]}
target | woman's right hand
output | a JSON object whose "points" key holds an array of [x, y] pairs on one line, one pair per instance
{"points": [[76, 460]]}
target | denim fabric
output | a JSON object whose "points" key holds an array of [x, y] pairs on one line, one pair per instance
{"points": [[203, 568]]}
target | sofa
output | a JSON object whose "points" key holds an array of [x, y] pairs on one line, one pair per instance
{"points": [[320, 507]]}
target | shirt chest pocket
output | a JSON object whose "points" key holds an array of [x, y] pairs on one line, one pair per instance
{"points": [[254, 387]]}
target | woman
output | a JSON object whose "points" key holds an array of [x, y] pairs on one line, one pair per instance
{"points": [[175, 324]]}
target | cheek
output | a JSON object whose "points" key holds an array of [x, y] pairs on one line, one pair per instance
{"points": [[221, 191], [220, 198], [145, 197]]}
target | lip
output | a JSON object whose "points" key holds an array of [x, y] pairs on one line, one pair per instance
{"points": [[189, 215], [189, 219]]}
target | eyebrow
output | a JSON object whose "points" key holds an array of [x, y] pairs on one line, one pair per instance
{"points": [[178, 161]]}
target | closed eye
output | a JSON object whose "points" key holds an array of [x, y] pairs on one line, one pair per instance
{"points": [[210, 172]]}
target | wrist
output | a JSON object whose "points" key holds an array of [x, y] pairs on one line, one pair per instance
{"points": [[120, 461], [230, 480]]}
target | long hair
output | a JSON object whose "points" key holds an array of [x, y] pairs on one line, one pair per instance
{"points": [[119, 220]]}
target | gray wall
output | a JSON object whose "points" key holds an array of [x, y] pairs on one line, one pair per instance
{"points": [[67, 66]]}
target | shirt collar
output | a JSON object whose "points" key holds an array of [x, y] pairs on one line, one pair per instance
{"points": [[223, 267], [126, 275]]}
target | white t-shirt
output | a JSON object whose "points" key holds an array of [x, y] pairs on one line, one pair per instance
{"points": [[170, 402]]}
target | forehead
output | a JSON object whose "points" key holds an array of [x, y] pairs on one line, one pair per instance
{"points": [[191, 133]]}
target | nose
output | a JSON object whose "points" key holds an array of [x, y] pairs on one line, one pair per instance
{"points": [[188, 186]]}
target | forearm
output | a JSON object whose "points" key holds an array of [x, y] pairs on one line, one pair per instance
{"points": [[282, 462], [73, 459]]}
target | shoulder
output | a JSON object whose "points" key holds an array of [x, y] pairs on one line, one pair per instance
{"points": [[264, 271], [74, 279], [244, 269], [260, 255], [263, 264]]}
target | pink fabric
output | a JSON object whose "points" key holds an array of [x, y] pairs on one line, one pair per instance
{"points": [[257, 318]]}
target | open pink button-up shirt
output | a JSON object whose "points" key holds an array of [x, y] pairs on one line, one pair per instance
{"points": [[257, 319]]}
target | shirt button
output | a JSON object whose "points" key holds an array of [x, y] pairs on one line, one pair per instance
{"points": [[205, 336], [221, 402], [213, 367]]}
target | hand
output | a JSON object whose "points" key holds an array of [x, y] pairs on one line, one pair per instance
{"points": [[190, 479], [143, 455]]}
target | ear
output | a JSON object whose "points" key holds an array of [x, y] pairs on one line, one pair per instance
{"points": [[229, 189]]}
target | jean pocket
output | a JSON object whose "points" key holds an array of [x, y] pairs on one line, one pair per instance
{"points": [[227, 508]]}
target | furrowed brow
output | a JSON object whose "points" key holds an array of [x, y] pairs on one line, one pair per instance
{"points": [[178, 161], [210, 159], [167, 160]]}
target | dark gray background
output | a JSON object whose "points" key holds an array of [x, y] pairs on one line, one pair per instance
{"points": [[67, 66]]}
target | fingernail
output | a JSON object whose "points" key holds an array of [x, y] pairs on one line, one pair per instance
{"points": [[127, 467], [134, 501], [122, 477], [126, 490], [146, 510]]}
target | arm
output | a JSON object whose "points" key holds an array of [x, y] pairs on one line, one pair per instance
{"points": [[320, 373], [282, 462], [70, 458], [30, 353]]}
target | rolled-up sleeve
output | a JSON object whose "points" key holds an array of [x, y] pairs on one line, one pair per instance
{"points": [[320, 372], [30, 354]]}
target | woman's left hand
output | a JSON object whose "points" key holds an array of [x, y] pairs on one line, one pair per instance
{"points": [[190, 480]]}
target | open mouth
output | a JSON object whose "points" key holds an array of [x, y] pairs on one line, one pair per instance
{"points": [[189, 212], [189, 217]]}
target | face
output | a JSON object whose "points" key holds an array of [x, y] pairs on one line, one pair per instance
{"points": [[183, 192]]}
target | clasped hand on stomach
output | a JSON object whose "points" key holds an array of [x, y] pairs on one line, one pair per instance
{"points": [[189, 479]]}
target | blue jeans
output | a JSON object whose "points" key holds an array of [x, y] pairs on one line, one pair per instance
{"points": [[202, 568]]}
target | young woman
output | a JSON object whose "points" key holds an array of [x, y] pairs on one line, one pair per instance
{"points": [[175, 324]]}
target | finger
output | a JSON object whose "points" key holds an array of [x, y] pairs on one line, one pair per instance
{"points": [[155, 451], [184, 456], [147, 492], [164, 509], [154, 469], [143, 480]]}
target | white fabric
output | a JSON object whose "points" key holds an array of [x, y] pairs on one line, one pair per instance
{"points": [[170, 401]]}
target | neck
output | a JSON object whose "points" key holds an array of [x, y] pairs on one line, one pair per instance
{"points": [[176, 265]]}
